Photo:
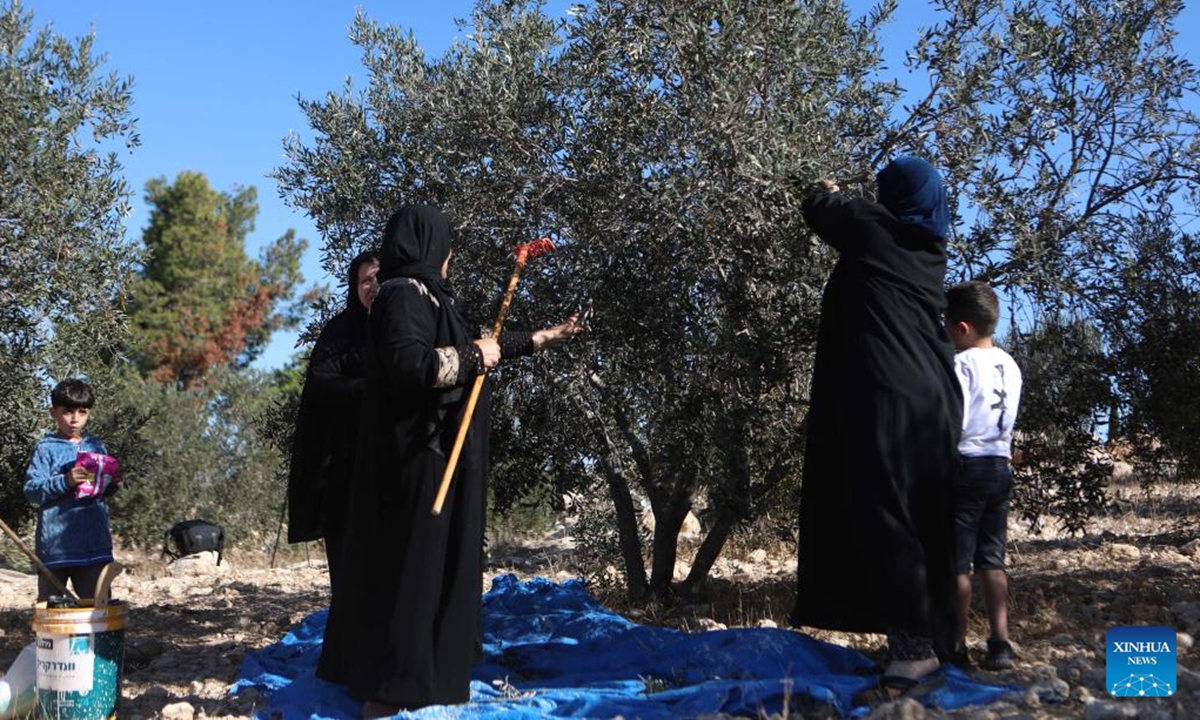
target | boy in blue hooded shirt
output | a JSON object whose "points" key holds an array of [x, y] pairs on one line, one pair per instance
{"points": [[73, 537]]}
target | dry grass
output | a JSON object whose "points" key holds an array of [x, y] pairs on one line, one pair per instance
{"points": [[1132, 567]]}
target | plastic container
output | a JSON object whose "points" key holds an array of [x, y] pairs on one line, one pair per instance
{"points": [[80, 659]]}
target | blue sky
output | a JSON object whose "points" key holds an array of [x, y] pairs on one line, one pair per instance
{"points": [[215, 86]]}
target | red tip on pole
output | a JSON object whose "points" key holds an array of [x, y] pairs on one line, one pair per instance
{"points": [[533, 249]]}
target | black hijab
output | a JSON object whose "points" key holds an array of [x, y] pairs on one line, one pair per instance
{"points": [[416, 242], [353, 304], [356, 312]]}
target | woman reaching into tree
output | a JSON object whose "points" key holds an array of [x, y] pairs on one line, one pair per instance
{"points": [[876, 520]]}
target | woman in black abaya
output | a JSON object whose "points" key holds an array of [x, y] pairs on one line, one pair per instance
{"points": [[327, 432], [415, 579], [876, 524]]}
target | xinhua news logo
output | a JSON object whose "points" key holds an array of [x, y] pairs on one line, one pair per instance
{"points": [[1140, 661]]}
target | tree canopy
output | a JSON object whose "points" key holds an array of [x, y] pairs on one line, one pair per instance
{"points": [[69, 274], [665, 145], [1070, 134], [64, 259], [663, 174]]}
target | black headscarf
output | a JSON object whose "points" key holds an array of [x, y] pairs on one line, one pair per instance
{"points": [[355, 312], [416, 242], [364, 258]]}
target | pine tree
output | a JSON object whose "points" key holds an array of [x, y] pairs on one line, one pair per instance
{"points": [[200, 301]]}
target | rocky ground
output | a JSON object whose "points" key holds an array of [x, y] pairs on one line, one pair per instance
{"points": [[192, 621]]}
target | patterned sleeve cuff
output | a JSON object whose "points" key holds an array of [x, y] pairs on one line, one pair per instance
{"points": [[457, 365], [515, 343]]}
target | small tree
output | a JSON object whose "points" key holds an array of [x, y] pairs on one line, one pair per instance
{"points": [[1061, 472], [200, 302], [63, 256], [1157, 352], [691, 122], [1069, 134], [195, 452]]}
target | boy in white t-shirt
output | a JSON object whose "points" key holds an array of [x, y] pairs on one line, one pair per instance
{"points": [[991, 384]]}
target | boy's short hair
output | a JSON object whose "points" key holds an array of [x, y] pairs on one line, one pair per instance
{"points": [[975, 304], [72, 393]]}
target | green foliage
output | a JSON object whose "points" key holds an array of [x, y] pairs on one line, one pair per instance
{"points": [[1070, 139], [200, 301], [278, 421], [289, 379], [1065, 127], [597, 538], [1069, 136], [661, 145], [195, 452], [529, 516], [63, 257], [1156, 351], [1063, 471]]}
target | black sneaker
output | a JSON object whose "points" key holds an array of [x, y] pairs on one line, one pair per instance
{"points": [[999, 655]]}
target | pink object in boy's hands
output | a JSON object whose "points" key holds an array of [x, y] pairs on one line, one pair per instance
{"points": [[103, 469]]}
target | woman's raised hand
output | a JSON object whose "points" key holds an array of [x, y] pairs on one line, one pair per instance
{"points": [[559, 334]]}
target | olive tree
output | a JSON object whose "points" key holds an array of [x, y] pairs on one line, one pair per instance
{"points": [[1059, 473], [1156, 351], [663, 146], [63, 256], [695, 126], [201, 451], [1069, 138]]}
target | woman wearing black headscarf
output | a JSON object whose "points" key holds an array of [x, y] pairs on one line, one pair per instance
{"points": [[876, 523], [327, 431], [413, 599]]}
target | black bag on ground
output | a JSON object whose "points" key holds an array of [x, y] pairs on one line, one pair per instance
{"points": [[194, 536]]}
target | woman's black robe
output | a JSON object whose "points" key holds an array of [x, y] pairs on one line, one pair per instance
{"points": [[327, 432], [323, 448], [876, 522], [415, 580]]}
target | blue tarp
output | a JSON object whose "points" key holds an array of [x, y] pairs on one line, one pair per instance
{"points": [[551, 650]]}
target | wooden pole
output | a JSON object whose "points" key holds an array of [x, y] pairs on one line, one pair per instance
{"points": [[523, 252], [45, 571]]}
